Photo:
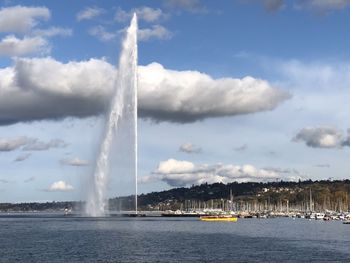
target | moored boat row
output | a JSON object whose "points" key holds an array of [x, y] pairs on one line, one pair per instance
{"points": [[326, 216]]}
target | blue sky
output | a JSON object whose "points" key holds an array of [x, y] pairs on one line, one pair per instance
{"points": [[238, 90]]}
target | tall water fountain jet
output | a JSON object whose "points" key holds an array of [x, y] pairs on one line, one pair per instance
{"points": [[123, 106]]}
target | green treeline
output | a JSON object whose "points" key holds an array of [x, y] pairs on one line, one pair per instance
{"points": [[274, 196], [302, 195]]}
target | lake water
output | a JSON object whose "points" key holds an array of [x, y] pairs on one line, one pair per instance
{"points": [[50, 238]]}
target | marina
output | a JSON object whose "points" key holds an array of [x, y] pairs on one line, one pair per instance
{"points": [[327, 216]]}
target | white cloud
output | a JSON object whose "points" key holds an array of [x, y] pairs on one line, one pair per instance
{"points": [[320, 88], [145, 13], [122, 15], [22, 157], [316, 74], [174, 166], [13, 46], [43, 88], [11, 144], [316, 6], [36, 145], [149, 14], [21, 18], [89, 12], [182, 173], [156, 31], [273, 5], [74, 162], [320, 137], [269, 5], [193, 6], [323, 6], [53, 31], [60, 186], [190, 148], [101, 33], [186, 96], [29, 144]]}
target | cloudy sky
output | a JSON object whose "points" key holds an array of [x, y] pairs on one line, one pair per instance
{"points": [[231, 90]]}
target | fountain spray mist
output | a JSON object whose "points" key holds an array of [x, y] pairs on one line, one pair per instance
{"points": [[123, 106]]}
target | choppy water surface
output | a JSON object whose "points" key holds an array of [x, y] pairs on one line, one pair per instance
{"points": [[52, 238]]}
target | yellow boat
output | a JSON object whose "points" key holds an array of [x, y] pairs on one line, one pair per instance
{"points": [[218, 218]]}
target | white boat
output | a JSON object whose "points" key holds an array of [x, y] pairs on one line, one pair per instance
{"points": [[67, 211], [319, 216]]}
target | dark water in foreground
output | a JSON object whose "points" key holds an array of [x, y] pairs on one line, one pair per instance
{"points": [[69, 239]]}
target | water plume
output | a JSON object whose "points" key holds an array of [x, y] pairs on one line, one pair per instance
{"points": [[123, 109]]}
